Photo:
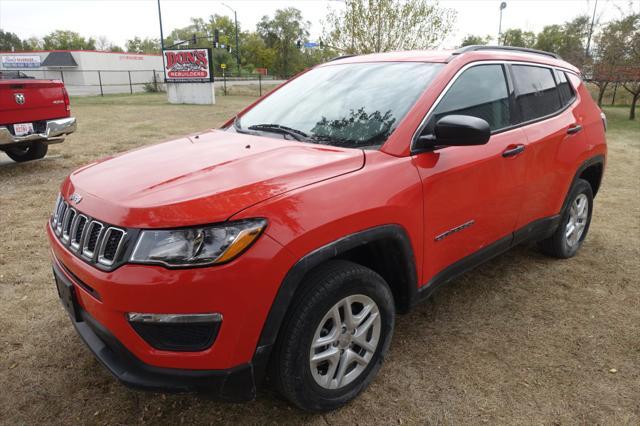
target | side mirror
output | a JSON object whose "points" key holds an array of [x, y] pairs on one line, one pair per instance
{"points": [[455, 130]]}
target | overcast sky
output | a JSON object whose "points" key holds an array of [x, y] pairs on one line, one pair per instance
{"points": [[120, 20]]}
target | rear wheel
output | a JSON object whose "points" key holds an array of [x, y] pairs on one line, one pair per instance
{"points": [[333, 342], [32, 151], [574, 225]]}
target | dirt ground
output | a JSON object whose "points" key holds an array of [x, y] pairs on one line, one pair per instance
{"points": [[524, 339]]}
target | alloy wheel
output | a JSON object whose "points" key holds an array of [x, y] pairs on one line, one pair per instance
{"points": [[345, 341], [578, 215]]}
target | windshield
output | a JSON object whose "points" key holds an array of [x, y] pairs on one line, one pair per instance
{"points": [[351, 105]]}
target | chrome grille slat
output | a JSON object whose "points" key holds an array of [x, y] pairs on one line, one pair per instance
{"points": [[77, 231], [89, 246], [92, 240], [61, 213], [54, 219], [69, 218], [107, 255]]}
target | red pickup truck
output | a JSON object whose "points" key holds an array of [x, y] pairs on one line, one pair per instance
{"points": [[33, 114]]}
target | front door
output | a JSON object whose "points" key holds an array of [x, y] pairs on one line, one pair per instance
{"points": [[472, 194]]}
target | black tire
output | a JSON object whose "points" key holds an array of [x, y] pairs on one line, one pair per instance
{"points": [[324, 287], [33, 151], [558, 245]]}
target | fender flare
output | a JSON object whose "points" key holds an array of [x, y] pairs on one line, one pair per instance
{"points": [[296, 274], [598, 159]]}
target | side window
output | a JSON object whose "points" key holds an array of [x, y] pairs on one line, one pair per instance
{"points": [[480, 91], [537, 94], [566, 90]]}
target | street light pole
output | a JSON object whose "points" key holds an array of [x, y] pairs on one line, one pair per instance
{"points": [[235, 17], [503, 6], [593, 20], [164, 66]]}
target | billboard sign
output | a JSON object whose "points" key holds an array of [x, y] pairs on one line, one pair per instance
{"points": [[21, 61], [187, 65]]}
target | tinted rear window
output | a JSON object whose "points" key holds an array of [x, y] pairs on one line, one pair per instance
{"points": [[565, 88], [537, 92]]}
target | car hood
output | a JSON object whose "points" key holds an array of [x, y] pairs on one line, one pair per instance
{"points": [[201, 179]]}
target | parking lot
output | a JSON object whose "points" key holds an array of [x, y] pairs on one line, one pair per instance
{"points": [[523, 339]]}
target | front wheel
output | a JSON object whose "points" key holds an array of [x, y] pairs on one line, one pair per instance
{"points": [[32, 151], [335, 339], [574, 224]]}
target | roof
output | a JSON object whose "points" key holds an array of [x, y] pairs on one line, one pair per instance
{"points": [[448, 56], [27, 52], [399, 56], [59, 59]]}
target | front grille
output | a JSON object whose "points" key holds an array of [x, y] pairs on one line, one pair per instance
{"points": [[92, 240]]}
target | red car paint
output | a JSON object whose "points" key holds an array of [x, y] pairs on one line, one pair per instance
{"points": [[311, 196], [44, 100]]}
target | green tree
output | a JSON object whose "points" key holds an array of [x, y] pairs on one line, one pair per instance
{"points": [[617, 58], [67, 40], [10, 42], [474, 40], [281, 33], [316, 55], [103, 44], [32, 43], [367, 26], [146, 45], [567, 40], [632, 60], [518, 38], [204, 31], [255, 53]]}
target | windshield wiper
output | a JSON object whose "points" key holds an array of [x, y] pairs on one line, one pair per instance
{"points": [[298, 135]]}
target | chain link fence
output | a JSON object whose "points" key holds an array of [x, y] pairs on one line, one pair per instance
{"points": [[105, 82]]}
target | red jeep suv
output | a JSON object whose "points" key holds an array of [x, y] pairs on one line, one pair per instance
{"points": [[285, 242]]}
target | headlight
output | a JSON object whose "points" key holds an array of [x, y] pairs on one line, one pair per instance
{"points": [[207, 245]]}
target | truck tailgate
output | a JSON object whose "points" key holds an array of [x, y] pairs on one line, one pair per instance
{"points": [[42, 100]]}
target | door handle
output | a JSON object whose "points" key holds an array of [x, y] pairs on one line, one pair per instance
{"points": [[572, 130], [513, 150]]}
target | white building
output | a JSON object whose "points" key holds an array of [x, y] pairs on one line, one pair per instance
{"points": [[87, 72]]}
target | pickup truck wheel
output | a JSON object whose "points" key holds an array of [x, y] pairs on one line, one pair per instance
{"points": [[33, 151], [574, 225], [334, 340]]}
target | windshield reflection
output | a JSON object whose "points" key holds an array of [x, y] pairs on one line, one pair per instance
{"points": [[349, 105]]}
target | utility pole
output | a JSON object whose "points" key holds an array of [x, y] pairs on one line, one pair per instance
{"points": [[235, 17], [164, 66], [593, 20], [503, 6]]}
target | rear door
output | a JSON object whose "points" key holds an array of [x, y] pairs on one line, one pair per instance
{"points": [[472, 194], [545, 102], [23, 101]]}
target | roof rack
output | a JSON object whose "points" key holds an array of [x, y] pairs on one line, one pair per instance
{"points": [[475, 47]]}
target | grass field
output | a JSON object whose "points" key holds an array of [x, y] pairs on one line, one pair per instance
{"points": [[524, 339]]}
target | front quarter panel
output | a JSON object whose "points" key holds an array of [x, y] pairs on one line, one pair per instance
{"points": [[386, 191]]}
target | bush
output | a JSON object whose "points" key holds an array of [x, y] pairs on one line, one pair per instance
{"points": [[152, 87]]}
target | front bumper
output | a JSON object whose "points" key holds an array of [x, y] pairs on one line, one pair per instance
{"points": [[55, 132], [234, 384], [241, 291]]}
